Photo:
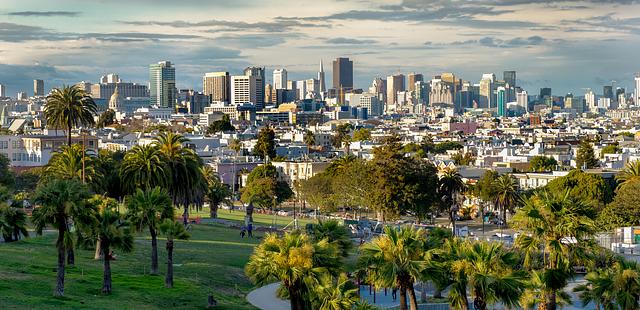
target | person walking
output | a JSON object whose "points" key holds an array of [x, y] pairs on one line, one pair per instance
{"points": [[250, 230]]}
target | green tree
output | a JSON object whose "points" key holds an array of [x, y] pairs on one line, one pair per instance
{"points": [[68, 108], [113, 233], [172, 230], [222, 125], [506, 195], [147, 209], [610, 149], [318, 192], [395, 259], [542, 163], [7, 177], [461, 159], [617, 287], [71, 163], [13, 223], [630, 174], [443, 147], [450, 185], [236, 146], [107, 118], [485, 188], [362, 134], [334, 233], [588, 187], [59, 202], [585, 157], [266, 145], [309, 138], [624, 210], [264, 189], [143, 167], [107, 165], [217, 192], [335, 293], [545, 222]]}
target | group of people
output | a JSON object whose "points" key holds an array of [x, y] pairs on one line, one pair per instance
{"points": [[247, 230]]}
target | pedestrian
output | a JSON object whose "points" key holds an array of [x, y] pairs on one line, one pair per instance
{"points": [[250, 230], [394, 293], [242, 232]]}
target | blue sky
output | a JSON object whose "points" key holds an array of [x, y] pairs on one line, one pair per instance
{"points": [[568, 45]]}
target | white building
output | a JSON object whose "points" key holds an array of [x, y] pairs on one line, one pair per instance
{"points": [[246, 89], [590, 100], [280, 79], [636, 96], [3, 91], [522, 98]]}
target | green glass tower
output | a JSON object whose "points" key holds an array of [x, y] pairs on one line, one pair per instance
{"points": [[162, 84]]}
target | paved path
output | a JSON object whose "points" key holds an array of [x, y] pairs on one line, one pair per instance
{"points": [[265, 298]]}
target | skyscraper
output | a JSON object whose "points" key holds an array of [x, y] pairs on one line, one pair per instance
{"points": [[486, 91], [607, 92], [412, 79], [636, 96], [523, 100], [279, 79], [38, 88], [323, 87], [501, 102], [258, 72], [342, 73], [247, 89], [162, 84], [216, 86], [544, 92], [509, 77], [395, 83], [3, 91]]}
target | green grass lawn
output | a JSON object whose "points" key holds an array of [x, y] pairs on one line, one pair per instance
{"points": [[211, 262], [261, 219]]}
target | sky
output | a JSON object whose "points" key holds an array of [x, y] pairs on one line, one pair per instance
{"points": [[566, 45]]}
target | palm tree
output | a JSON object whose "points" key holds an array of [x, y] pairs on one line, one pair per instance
{"points": [[13, 223], [395, 259], [69, 107], [113, 232], [488, 270], [309, 138], [617, 286], [450, 185], [335, 233], [149, 208], [71, 163], [172, 230], [506, 195], [294, 260], [186, 183], [217, 192], [630, 173], [59, 202], [236, 146], [335, 293], [556, 231], [143, 167]]}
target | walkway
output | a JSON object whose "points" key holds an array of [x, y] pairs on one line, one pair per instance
{"points": [[265, 298]]}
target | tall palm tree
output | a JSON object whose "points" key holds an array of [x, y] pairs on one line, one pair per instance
{"points": [[113, 232], [295, 261], [13, 223], [186, 183], [395, 259], [148, 208], [172, 230], [68, 108], [217, 192], [450, 185], [236, 146], [143, 167], [506, 195], [335, 293], [60, 201], [615, 287], [556, 231], [630, 173], [487, 269], [67, 163], [335, 233]]}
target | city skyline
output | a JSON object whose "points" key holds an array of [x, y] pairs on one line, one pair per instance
{"points": [[566, 45]]}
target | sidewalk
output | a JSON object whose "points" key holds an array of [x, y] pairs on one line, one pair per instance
{"points": [[265, 298]]}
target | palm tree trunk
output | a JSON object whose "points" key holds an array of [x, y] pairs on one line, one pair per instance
{"points": [[551, 300], [154, 250], [295, 299], [403, 298], [60, 275], [185, 215], [106, 275], [168, 281], [69, 127], [413, 302], [213, 211], [479, 303], [96, 256], [71, 258]]}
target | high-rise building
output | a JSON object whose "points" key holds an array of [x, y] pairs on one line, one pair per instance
{"points": [[395, 84], [590, 100], [162, 82], [279, 79], [501, 102], [268, 94], [509, 77], [545, 92], [412, 78], [260, 73], [216, 85], [22, 95], [247, 89], [636, 96], [126, 89], [422, 90], [486, 91], [110, 78], [522, 98], [312, 85], [440, 92], [85, 86], [3, 91], [607, 92], [321, 79], [38, 88], [342, 73]]}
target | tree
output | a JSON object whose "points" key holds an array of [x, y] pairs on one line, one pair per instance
{"points": [[362, 134], [13, 223], [334, 233], [309, 138], [485, 188], [545, 222], [616, 286], [630, 174], [610, 149], [335, 293], [69, 107], [341, 136], [236, 146], [217, 192], [107, 165], [542, 163], [7, 177], [591, 188], [443, 147], [585, 157], [264, 189], [107, 118], [186, 184], [148, 208], [172, 230], [60, 201], [143, 167], [318, 192], [222, 125], [395, 259], [449, 186], [506, 194], [71, 163], [465, 159], [295, 261], [113, 233], [624, 210], [266, 145]]}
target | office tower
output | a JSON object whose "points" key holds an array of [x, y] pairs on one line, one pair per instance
{"points": [[607, 92], [441, 92], [509, 77], [268, 94], [636, 96], [321, 79], [422, 90], [106, 87], [279, 79], [395, 84], [486, 91], [501, 102], [22, 95], [544, 92], [216, 85], [412, 78], [162, 82], [110, 78], [590, 100], [247, 89], [312, 85], [301, 90], [522, 98], [342, 73], [38, 88], [3, 91], [260, 73]]}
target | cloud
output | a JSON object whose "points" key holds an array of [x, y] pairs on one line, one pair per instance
{"points": [[277, 25], [45, 13], [341, 40]]}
